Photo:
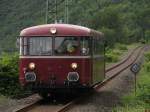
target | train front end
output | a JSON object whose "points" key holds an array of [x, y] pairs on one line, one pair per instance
{"points": [[55, 57]]}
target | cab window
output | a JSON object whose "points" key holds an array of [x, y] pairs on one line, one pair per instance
{"points": [[66, 46], [85, 45], [36, 46]]}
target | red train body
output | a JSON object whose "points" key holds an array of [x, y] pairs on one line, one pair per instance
{"points": [[60, 56]]}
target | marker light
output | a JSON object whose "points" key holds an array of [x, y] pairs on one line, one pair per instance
{"points": [[74, 66], [32, 66], [53, 30]]}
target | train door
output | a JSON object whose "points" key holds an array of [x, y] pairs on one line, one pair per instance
{"points": [[98, 60], [85, 46]]}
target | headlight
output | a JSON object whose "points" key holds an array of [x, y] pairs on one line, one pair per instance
{"points": [[74, 66], [32, 66], [53, 30], [73, 76], [30, 77]]}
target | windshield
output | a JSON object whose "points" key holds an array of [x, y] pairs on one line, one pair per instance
{"points": [[40, 46], [66, 45], [59, 46], [36, 46]]}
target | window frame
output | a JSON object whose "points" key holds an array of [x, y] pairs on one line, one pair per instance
{"points": [[22, 46]]}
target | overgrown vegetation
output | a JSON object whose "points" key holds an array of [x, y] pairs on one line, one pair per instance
{"points": [[141, 101], [9, 83], [112, 55]]}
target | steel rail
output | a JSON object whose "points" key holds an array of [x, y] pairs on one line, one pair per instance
{"points": [[99, 85], [123, 61], [116, 74]]}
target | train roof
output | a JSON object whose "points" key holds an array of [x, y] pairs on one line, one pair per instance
{"points": [[61, 30]]}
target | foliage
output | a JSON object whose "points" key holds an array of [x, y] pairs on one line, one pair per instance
{"points": [[111, 57], [147, 66], [147, 35], [9, 84], [140, 101], [121, 46], [124, 21], [144, 79], [109, 33], [147, 56]]}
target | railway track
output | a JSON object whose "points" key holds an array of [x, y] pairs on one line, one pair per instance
{"points": [[111, 73], [115, 70]]}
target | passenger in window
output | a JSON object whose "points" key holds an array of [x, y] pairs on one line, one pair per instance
{"points": [[66, 46], [72, 46]]}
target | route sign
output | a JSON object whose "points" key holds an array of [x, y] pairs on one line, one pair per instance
{"points": [[135, 68]]}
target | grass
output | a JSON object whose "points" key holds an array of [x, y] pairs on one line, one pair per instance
{"points": [[133, 45], [130, 109], [141, 101], [113, 55]]}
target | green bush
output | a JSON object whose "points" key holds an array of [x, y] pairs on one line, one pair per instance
{"points": [[121, 46], [144, 87], [147, 66], [147, 56], [147, 59], [111, 57], [9, 83], [143, 84], [116, 52]]}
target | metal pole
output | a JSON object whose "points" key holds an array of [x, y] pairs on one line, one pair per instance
{"points": [[135, 83], [46, 17], [55, 11], [66, 11]]}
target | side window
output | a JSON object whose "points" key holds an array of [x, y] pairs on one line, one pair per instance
{"points": [[98, 46], [85, 46], [94, 46], [25, 45], [21, 45]]}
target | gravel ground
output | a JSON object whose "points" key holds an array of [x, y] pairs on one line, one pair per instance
{"points": [[8, 105]]}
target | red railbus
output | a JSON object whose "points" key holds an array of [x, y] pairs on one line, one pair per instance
{"points": [[58, 57]]}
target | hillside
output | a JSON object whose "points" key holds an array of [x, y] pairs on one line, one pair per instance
{"points": [[121, 20], [16, 15]]}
